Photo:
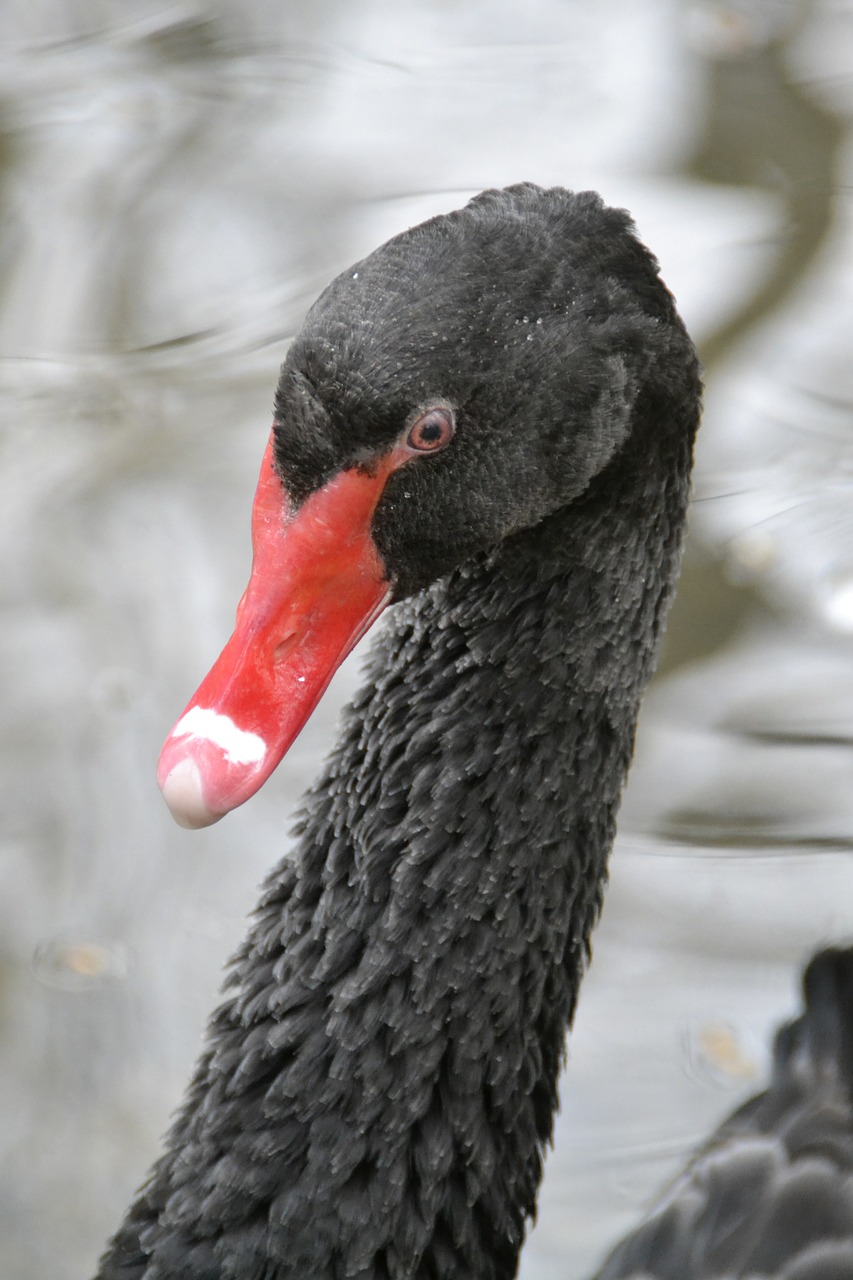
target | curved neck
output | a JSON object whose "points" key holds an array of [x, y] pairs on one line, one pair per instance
{"points": [[380, 1084]]}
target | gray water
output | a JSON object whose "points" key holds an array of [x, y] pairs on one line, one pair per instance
{"points": [[177, 181]]}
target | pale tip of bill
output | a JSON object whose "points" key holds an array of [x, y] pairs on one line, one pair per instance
{"points": [[183, 793]]}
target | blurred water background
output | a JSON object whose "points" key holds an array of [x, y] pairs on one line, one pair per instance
{"points": [[177, 181]]}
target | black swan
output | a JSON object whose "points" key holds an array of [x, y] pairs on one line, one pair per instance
{"points": [[490, 421], [771, 1194]]}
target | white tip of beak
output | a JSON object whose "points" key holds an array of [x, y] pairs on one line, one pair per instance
{"points": [[182, 791]]}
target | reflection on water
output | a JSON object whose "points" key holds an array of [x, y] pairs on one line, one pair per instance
{"points": [[175, 190]]}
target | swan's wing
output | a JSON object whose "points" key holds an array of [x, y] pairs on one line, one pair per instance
{"points": [[771, 1195], [747, 1209]]}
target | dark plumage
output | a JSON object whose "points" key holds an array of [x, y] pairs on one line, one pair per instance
{"points": [[379, 1085], [771, 1195]]}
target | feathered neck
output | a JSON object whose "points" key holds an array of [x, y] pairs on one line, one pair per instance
{"points": [[380, 1083]]}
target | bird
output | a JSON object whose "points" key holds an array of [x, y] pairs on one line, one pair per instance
{"points": [[486, 426], [770, 1195]]}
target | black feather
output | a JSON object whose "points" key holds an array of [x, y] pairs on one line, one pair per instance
{"points": [[771, 1196], [380, 1083]]}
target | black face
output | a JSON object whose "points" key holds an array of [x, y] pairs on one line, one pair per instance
{"points": [[534, 318]]}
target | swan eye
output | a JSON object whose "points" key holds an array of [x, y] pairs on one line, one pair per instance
{"points": [[432, 431]]}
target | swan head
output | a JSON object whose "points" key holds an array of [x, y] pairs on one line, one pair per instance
{"points": [[465, 381]]}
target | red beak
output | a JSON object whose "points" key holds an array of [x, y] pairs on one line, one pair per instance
{"points": [[317, 585]]}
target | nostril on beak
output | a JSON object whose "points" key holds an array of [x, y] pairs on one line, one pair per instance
{"points": [[285, 647]]}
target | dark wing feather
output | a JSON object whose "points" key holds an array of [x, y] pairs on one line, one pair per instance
{"points": [[771, 1195]]}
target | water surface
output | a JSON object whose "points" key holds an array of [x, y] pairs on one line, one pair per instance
{"points": [[177, 183]]}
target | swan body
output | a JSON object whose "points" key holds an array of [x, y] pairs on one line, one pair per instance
{"points": [[507, 400], [770, 1197]]}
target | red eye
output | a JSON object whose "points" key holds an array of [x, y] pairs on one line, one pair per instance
{"points": [[432, 431]]}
